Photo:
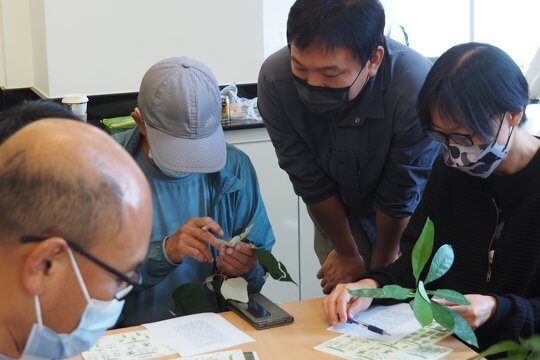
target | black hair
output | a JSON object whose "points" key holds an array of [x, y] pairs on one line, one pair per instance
{"points": [[15, 118], [357, 25], [473, 85]]}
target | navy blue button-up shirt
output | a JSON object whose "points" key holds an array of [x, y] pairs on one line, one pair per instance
{"points": [[375, 156]]}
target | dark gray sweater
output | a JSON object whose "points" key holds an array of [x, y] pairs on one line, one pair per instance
{"points": [[464, 212]]}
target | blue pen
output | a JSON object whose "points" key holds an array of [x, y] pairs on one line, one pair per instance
{"points": [[371, 328]]}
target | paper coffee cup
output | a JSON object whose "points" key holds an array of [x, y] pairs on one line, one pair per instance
{"points": [[76, 103]]}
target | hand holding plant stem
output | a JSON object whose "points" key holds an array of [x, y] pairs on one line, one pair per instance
{"points": [[190, 298], [425, 309]]}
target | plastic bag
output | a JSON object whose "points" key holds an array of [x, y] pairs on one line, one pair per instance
{"points": [[241, 109]]}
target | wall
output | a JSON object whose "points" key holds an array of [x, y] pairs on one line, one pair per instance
{"points": [[102, 46], [275, 13], [2, 67], [39, 47], [15, 44]]}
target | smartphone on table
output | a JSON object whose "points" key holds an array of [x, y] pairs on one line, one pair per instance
{"points": [[261, 312]]}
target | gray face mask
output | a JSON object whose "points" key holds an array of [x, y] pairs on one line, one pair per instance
{"points": [[477, 160]]}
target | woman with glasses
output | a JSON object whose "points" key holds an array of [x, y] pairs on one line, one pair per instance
{"points": [[483, 197]]}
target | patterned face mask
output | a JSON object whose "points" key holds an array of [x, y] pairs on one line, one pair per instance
{"points": [[477, 160]]}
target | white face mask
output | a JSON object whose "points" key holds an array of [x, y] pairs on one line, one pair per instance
{"points": [[98, 316]]}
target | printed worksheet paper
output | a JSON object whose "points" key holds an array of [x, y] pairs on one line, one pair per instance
{"points": [[197, 334]]}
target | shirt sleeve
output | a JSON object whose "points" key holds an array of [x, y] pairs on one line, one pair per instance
{"points": [[408, 164], [516, 317], [294, 156], [400, 272], [156, 265]]}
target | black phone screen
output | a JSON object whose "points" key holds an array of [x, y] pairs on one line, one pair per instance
{"points": [[257, 310]]}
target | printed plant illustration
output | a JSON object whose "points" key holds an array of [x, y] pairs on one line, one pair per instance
{"points": [[191, 298], [425, 309]]}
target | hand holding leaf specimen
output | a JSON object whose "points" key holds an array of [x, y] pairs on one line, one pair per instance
{"points": [[191, 298], [425, 310]]}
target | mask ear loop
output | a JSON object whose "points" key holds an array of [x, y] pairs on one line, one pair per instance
{"points": [[38, 310], [509, 136], [499, 131], [79, 276]]}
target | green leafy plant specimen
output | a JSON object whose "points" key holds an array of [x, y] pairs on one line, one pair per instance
{"points": [[425, 310], [526, 349], [192, 298]]}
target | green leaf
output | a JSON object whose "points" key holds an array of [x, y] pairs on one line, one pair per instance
{"points": [[450, 295], [442, 315], [519, 354], [188, 299], [463, 331], [275, 268], [422, 249], [441, 263], [422, 291], [422, 310], [235, 289], [532, 343], [503, 346], [386, 292]]}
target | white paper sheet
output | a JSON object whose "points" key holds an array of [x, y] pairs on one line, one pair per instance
{"points": [[197, 334], [133, 345], [398, 320]]}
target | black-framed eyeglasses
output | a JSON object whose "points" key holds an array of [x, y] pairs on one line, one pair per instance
{"points": [[133, 282], [460, 139]]}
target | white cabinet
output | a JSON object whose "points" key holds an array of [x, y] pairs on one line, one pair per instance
{"points": [[292, 227]]}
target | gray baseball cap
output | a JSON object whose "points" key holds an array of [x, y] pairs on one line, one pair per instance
{"points": [[180, 103]]}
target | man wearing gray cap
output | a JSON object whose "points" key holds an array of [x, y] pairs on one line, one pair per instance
{"points": [[201, 187]]}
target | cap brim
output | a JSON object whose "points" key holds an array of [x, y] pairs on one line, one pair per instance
{"points": [[206, 155]]}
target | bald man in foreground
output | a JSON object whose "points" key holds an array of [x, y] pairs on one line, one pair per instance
{"points": [[75, 219]]}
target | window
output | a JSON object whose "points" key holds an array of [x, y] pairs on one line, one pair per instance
{"points": [[435, 26]]}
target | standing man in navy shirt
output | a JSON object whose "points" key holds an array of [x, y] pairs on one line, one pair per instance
{"points": [[339, 103]]}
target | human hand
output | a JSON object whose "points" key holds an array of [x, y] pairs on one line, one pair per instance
{"points": [[480, 309], [339, 269], [341, 302], [237, 260], [191, 240]]}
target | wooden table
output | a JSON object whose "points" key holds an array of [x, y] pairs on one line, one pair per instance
{"points": [[296, 341]]}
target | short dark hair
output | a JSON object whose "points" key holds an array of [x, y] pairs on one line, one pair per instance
{"points": [[473, 85], [15, 118], [357, 25]]}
